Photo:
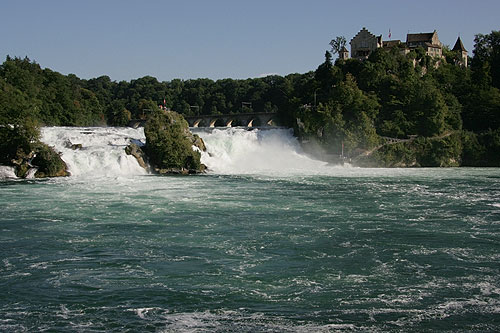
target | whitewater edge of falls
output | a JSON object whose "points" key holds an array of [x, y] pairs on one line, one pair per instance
{"points": [[229, 151], [257, 151]]}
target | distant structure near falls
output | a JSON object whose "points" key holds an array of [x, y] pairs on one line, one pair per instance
{"points": [[364, 43]]}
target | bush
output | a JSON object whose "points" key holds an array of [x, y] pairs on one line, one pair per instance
{"points": [[490, 140], [49, 162], [169, 144], [396, 155], [472, 152], [444, 152]]}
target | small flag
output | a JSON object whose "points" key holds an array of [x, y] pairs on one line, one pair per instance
{"points": [[390, 34]]}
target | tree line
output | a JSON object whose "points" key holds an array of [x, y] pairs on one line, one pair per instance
{"points": [[350, 103], [66, 100]]}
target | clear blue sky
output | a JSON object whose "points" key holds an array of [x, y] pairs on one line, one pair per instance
{"points": [[186, 39]]}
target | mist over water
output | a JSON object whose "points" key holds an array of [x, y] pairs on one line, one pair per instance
{"points": [[257, 151], [272, 242]]}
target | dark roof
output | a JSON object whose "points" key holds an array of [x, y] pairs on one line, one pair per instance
{"points": [[344, 49], [391, 43], [459, 46], [425, 37]]}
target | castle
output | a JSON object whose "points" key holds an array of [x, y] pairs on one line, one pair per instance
{"points": [[365, 43]]}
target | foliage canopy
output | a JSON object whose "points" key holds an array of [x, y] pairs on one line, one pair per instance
{"points": [[355, 102]]}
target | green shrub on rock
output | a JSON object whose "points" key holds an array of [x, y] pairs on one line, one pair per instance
{"points": [[21, 148], [49, 162], [169, 144]]}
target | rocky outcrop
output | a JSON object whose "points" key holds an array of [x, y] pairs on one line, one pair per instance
{"points": [[179, 171], [22, 163], [198, 142], [74, 146], [41, 162], [136, 151], [49, 163], [169, 144]]}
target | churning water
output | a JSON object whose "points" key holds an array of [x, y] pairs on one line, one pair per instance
{"points": [[96, 151], [270, 152], [269, 240]]}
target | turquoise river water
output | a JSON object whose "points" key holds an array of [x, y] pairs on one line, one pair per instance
{"points": [[268, 241]]}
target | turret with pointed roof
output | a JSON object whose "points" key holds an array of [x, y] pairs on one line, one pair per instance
{"points": [[344, 53], [460, 49], [459, 46]]}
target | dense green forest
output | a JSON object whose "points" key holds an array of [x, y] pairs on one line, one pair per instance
{"points": [[445, 115], [449, 115]]}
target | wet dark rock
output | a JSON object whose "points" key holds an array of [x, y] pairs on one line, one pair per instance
{"points": [[136, 151]]}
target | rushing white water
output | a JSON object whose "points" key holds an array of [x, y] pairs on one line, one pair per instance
{"points": [[270, 151], [229, 151], [102, 151], [7, 172]]}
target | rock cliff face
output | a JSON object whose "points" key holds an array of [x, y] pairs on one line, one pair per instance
{"points": [[169, 144], [136, 151], [43, 160]]}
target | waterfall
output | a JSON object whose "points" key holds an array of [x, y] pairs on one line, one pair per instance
{"points": [[100, 151], [257, 151], [96, 151]]}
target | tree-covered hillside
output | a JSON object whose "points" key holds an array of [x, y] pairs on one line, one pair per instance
{"points": [[446, 114]]}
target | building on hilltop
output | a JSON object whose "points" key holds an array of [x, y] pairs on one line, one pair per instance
{"points": [[428, 41], [462, 52], [389, 44], [364, 43], [344, 53]]}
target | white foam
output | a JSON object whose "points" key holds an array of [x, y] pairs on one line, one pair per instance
{"points": [[7, 172], [102, 151], [488, 289], [273, 151], [240, 321], [143, 312]]}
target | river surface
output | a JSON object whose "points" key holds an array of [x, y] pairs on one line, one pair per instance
{"points": [[267, 241]]}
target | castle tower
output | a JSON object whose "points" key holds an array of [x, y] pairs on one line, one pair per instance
{"points": [[344, 54], [462, 52], [364, 43]]}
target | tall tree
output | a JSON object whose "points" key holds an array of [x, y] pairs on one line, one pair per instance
{"points": [[486, 60], [338, 44]]}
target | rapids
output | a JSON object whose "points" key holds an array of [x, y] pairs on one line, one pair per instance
{"points": [[102, 151], [269, 240], [257, 151], [229, 151]]}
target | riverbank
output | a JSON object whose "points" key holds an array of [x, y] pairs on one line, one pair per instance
{"points": [[451, 149]]}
